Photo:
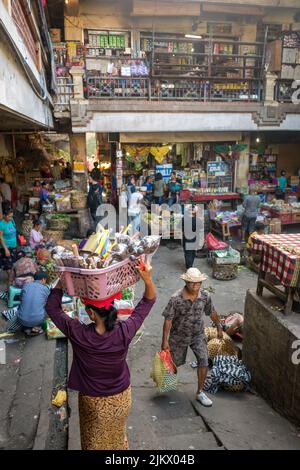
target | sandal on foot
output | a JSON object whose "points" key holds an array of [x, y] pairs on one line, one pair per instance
{"points": [[35, 331]]}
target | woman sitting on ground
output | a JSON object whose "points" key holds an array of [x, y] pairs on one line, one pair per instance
{"points": [[37, 239], [99, 371]]}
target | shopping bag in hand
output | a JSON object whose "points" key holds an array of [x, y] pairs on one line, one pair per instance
{"points": [[164, 372]]}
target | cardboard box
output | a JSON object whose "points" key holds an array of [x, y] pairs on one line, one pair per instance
{"points": [[55, 34], [294, 180], [275, 226], [296, 217]]}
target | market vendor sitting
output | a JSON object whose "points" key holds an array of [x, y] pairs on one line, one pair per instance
{"points": [[37, 239], [45, 197], [260, 229], [30, 314]]}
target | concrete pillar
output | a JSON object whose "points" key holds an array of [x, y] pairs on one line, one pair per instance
{"points": [[270, 82], [77, 74], [242, 172], [78, 155]]}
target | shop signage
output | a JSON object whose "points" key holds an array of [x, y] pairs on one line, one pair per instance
{"points": [[165, 170], [217, 168]]}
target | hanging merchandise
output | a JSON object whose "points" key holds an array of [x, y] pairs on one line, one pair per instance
{"points": [[198, 152], [184, 156], [230, 152], [159, 153], [136, 155]]}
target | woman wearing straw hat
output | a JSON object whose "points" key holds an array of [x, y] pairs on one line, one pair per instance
{"points": [[184, 326]]}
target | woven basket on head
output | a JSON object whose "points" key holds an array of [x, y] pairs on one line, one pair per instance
{"points": [[240, 387], [221, 347], [55, 234]]}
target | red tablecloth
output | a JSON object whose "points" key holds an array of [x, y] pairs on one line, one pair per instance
{"points": [[277, 261], [208, 197]]}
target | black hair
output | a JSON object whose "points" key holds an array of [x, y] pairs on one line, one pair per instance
{"points": [[90, 232], [2, 180], [259, 226], [41, 275], [36, 222], [44, 183], [158, 176], [7, 210], [110, 315]]}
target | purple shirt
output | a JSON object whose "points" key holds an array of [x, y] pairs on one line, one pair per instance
{"points": [[99, 365]]}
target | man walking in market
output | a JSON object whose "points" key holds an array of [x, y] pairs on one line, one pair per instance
{"points": [[184, 326]]}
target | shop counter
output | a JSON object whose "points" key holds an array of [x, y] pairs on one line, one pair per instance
{"points": [[193, 196]]}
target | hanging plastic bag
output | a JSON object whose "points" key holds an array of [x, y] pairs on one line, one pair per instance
{"points": [[213, 243], [164, 372]]}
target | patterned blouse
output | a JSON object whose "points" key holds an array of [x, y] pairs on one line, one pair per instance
{"points": [[187, 317]]}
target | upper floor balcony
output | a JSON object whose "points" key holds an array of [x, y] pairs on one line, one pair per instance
{"points": [[174, 73]]}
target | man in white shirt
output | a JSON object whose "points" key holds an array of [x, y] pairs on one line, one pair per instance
{"points": [[5, 190], [134, 208]]}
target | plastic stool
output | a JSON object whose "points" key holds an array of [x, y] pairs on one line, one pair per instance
{"points": [[12, 294]]}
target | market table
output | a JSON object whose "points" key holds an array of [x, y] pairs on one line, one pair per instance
{"points": [[193, 196], [223, 228], [280, 256]]}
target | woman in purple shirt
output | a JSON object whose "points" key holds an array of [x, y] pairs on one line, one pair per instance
{"points": [[99, 370]]}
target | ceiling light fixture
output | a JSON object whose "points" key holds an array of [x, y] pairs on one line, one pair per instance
{"points": [[193, 36], [258, 140]]}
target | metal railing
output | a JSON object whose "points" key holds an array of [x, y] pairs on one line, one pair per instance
{"points": [[65, 92], [284, 90], [193, 89], [117, 87]]}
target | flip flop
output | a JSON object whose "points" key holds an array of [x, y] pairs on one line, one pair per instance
{"points": [[34, 333]]}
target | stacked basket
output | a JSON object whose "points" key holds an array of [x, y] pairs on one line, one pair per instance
{"points": [[225, 267], [78, 200], [56, 227]]}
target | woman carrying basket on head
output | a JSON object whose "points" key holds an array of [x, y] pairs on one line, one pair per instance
{"points": [[99, 370]]}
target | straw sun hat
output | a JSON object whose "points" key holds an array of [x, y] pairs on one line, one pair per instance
{"points": [[193, 275]]}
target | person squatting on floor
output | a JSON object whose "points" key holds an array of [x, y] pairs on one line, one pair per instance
{"points": [[184, 326], [30, 314], [99, 371]]}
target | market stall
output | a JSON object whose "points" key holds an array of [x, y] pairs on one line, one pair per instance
{"points": [[280, 257], [287, 213]]}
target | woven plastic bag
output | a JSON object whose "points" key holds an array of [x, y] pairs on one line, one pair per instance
{"points": [[164, 372]]}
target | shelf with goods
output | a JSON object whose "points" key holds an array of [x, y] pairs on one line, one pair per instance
{"points": [[106, 43], [212, 55], [288, 61], [260, 163]]}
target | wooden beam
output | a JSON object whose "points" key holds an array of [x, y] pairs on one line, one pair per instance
{"points": [[233, 10], [179, 137], [164, 8]]}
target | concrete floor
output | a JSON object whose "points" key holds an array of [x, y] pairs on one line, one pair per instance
{"points": [[157, 421], [175, 420]]}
